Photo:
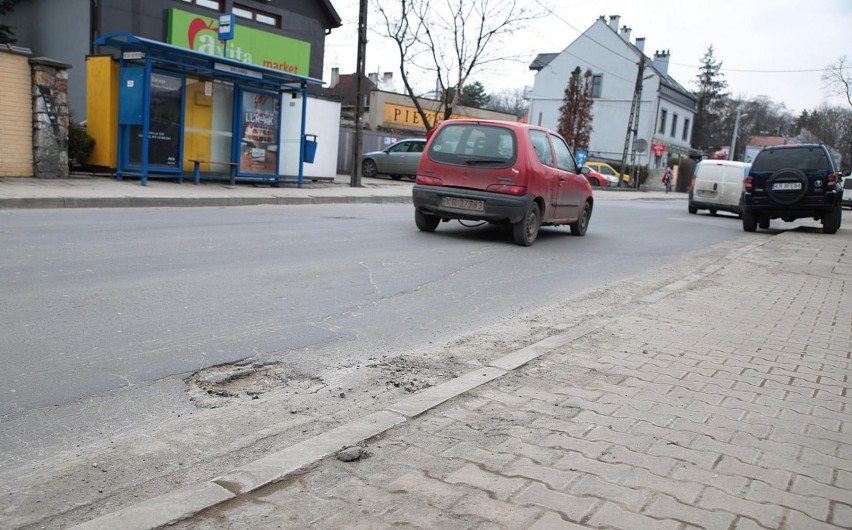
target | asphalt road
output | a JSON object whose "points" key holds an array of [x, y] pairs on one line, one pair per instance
{"points": [[106, 307]]}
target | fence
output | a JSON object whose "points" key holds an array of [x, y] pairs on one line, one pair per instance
{"points": [[370, 141]]}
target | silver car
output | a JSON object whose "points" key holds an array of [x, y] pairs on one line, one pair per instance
{"points": [[399, 160]]}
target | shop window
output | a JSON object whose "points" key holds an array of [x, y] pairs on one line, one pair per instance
{"points": [[209, 4], [256, 15]]}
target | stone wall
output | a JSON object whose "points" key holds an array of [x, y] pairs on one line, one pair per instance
{"points": [[16, 116], [50, 116]]}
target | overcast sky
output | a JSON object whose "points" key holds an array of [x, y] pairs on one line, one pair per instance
{"points": [[773, 48]]}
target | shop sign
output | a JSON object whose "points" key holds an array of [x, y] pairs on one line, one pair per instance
{"points": [[409, 117], [658, 149], [249, 45]]}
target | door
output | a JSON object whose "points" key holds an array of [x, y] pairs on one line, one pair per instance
{"points": [[569, 197]]}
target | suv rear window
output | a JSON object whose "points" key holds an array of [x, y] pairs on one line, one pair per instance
{"points": [[804, 158], [474, 144]]}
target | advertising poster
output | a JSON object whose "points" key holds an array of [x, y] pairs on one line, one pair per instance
{"points": [[259, 127], [164, 125]]}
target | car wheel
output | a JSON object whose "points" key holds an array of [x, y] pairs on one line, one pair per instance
{"points": [[831, 220], [749, 221], [579, 227], [712, 212], [426, 222], [594, 182], [526, 231], [369, 169], [763, 221], [693, 210]]}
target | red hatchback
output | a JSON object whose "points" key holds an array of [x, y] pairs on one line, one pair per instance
{"points": [[501, 172]]}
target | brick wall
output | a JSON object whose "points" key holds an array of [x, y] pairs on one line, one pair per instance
{"points": [[16, 113]]}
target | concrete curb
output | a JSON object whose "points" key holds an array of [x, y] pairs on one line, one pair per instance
{"points": [[175, 506], [180, 202]]}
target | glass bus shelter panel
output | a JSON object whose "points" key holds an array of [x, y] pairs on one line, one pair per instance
{"points": [[259, 126], [164, 126]]}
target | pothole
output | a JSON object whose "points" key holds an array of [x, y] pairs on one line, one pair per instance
{"points": [[225, 384]]}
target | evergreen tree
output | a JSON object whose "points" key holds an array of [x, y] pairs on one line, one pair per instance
{"points": [[708, 131], [7, 33], [473, 95], [575, 114]]}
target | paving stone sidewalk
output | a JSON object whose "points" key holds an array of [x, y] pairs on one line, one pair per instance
{"points": [[721, 402]]}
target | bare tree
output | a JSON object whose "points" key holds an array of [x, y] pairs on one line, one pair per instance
{"points": [[448, 40], [509, 101], [838, 78]]}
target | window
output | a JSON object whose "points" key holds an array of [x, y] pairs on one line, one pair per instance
{"points": [[686, 129], [674, 125], [663, 115], [564, 159], [257, 15], [541, 147], [597, 81], [209, 4]]}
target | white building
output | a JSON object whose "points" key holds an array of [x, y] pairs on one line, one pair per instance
{"points": [[666, 112]]}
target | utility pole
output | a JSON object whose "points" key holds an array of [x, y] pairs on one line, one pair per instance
{"points": [[355, 181], [633, 119], [734, 135]]}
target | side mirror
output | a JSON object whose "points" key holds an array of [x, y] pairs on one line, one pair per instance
{"points": [[584, 170]]}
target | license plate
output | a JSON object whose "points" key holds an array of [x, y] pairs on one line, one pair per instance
{"points": [[786, 186], [463, 204]]}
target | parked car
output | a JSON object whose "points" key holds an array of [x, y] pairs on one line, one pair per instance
{"points": [[397, 161], [519, 175], [599, 179], [718, 185], [791, 182], [846, 199], [606, 169]]}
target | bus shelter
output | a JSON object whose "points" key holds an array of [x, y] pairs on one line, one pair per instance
{"points": [[181, 111]]}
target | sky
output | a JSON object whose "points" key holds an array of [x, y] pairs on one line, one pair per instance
{"points": [[772, 48]]}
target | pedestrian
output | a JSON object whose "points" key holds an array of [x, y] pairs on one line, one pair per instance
{"points": [[667, 179]]}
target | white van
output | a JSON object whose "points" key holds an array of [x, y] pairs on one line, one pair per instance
{"points": [[718, 185], [846, 198]]}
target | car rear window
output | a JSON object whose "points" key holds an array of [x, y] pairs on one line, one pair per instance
{"points": [[474, 144], [804, 158]]}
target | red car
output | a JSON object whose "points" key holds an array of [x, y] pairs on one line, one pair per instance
{"points": [[510, 173], [600, 180]]}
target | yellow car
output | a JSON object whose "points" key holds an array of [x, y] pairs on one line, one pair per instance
{"points": [[606, 169]]}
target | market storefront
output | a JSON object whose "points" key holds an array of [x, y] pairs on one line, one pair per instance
{"points": [[168, 111]]}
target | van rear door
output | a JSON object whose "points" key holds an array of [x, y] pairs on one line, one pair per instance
{"points": [[708, 181]]}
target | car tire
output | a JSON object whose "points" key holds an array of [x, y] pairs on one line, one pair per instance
{"points": [[831, 220], [525, 232], [369, 168], [594, 182], [579, 227], [763, 221], [749, 221], [426, 222], [693, 210], [712, 212]]}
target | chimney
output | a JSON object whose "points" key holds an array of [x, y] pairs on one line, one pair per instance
{"points": [[374, 78], [661, 61], [387, 78], [625, 33], [640, 44], [335, 77], [613, 22]]}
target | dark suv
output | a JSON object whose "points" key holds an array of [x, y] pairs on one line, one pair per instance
{"points": [[792, 182]]}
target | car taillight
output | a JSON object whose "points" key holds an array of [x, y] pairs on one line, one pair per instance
{"points": [[830, 182], [692, 183], [748, 184], [508, 189], [428, 181]]}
